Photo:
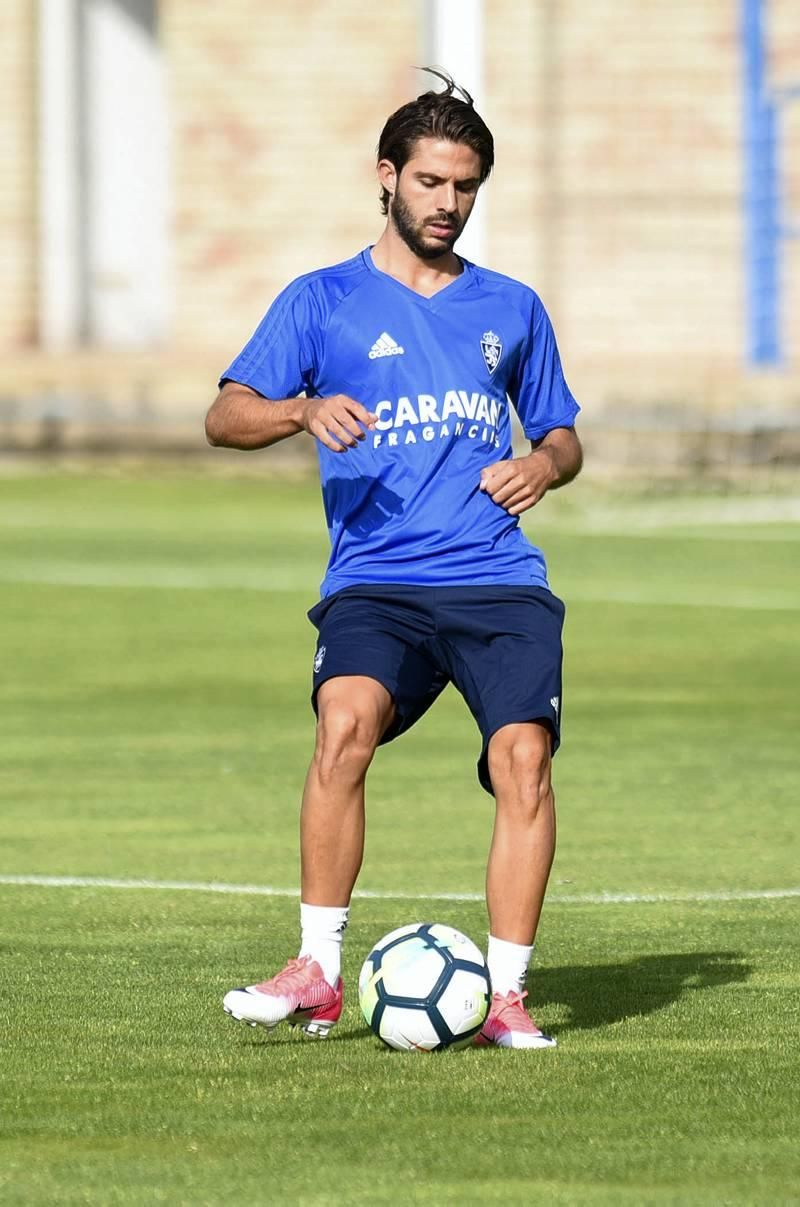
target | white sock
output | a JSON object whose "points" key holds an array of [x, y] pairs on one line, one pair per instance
{"points": [[322, 928], [508, 965]]}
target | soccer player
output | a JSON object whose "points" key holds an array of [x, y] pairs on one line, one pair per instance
{"points": [[401, 363]]}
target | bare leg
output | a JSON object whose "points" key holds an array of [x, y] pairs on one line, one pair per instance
{"points": [[354, 712], [523, 842]]}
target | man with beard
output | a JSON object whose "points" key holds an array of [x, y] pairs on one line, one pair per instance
{"points": [[401, 363]]}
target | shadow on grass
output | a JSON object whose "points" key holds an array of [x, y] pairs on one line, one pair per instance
{"points": [[595, 995], [598, 994]]}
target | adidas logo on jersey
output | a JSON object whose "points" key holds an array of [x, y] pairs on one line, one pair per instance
{"points": [[385, 346]]}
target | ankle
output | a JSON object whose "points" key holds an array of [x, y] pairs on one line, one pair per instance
{"points": [[322, 930], [508, 965]]}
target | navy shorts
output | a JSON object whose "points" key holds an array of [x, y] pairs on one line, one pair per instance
{"points": [[499, 646]]}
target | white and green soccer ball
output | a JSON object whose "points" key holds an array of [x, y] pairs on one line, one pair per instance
{"points": [[425, 987]]}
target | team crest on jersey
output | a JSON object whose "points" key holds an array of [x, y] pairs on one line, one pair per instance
{"points": [[492, 349]]}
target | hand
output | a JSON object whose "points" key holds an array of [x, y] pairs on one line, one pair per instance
{"points": [[519, 484], [337, 422]]}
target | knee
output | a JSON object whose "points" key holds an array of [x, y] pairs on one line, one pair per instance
{"points": [[346, 742], [519, 765]]}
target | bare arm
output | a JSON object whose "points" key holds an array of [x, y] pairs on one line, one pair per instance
{"points": [[240, 418], [519, 484]]}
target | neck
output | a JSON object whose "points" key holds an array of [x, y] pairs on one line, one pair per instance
{"points": [[394, 257]]}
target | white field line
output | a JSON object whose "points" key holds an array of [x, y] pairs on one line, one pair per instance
{"points": [[73, 575], [266, 890]]}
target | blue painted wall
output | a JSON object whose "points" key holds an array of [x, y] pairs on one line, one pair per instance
{"points": [[761, 194]]}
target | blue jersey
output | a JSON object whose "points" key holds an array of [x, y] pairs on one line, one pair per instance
{"points": [[404, 506]]}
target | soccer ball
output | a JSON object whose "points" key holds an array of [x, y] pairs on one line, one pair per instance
{"points": [[425, 987]]}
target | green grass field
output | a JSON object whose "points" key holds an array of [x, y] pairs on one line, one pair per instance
{"points": [[156, 661]]}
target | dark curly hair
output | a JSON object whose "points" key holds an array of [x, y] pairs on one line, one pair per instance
{"points": [[435, 115]]}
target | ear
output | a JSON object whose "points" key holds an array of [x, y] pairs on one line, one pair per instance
{"points": [[387, 175]]}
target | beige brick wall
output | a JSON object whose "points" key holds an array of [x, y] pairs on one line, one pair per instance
{"points": [[784, 39], [617, 192], [18, 220], [277, 112], [632, 178]]}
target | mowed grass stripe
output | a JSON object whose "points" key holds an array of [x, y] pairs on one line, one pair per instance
{"points": [[266, 890], [163, 732], [284, 579]]}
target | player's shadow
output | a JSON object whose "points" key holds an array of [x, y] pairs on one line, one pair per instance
{"points": [[366, 503], [599, 994], [595, 995]]}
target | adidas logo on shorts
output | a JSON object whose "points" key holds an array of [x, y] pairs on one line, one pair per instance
{"points": [[385, 346]]}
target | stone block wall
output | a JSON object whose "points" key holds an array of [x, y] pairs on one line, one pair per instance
{"points": [[620, 132], [18, 203], [617, 192]]}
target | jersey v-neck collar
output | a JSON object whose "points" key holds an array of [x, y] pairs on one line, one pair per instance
{"points": [[429, 303]]}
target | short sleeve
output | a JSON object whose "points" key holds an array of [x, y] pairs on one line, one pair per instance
{"points": [[281, 357], [540, 394]]}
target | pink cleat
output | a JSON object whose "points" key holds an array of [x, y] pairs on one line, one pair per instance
{"points": [[299, 994], [508, 1025]]}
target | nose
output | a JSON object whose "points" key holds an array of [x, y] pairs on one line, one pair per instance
{"points": [[446, 198]]}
